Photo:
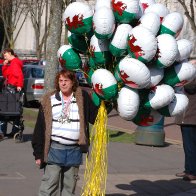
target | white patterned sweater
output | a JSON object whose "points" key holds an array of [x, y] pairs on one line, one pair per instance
{"points": [[65, 133]]}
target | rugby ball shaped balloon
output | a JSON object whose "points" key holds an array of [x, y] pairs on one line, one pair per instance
{"points": [[142, 44], [103, 3], [68, 58], [99, 51], [78, 17], [134, 73], [160, 96], [167, 51], [179, 74], [125, 11], [158, 8], [103, 23], [177, 106], [151, 22], [78, 42], [118, 45], [172, 24], [185, 48], [146, 3], [156, 75], [104, 84], [128, 103]]}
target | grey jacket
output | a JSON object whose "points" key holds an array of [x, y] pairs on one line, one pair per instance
{"points": [[189, 116]]}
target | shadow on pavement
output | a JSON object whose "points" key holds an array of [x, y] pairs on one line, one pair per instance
{"points": [[159, 187]]}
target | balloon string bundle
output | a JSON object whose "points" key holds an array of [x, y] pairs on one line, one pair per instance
{"points": [[96, 161]]}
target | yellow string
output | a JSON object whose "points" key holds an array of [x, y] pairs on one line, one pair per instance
{"points": [[96, 162]]}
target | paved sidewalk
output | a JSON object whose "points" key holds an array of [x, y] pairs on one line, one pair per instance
{"points": [[132, 169]]}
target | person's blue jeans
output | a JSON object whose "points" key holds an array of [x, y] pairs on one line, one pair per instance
{"points": [[3, 126], [189, 145]]}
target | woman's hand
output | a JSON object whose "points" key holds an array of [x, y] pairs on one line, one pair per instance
{"points": [[5, 62], [38, 162], [19, 88]]}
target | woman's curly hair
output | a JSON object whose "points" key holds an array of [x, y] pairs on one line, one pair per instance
{"points": [[67, 74]]}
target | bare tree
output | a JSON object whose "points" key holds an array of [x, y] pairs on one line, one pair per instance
{"points": [[53, 43], [13, 14], [189, 7], [37, 9]]}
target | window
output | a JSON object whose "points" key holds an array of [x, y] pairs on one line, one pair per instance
{"points": [[37, 73]]}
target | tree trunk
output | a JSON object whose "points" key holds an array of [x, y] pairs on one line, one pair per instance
{"points": [[53, 43]]}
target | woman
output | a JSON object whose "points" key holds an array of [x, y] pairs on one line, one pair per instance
{"points": [[61, 134]]}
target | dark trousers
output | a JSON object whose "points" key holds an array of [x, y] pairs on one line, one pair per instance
{"points": [[189, 145]]}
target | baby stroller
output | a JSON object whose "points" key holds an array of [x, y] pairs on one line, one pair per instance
{"points": [[11, 109]]}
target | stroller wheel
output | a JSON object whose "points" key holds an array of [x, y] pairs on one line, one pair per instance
{"points": [[18, 137]]}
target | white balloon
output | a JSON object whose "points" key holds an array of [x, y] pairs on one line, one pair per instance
{"points": [[74, 16], [172, 24], [103, 23], [103, 3], [177, 106], [185, 48], [142, 44], [160, 96], [104, 84], [125, 11], [156, 75], [167, 50], [146, 3], [134, 73], [99, 45], [151, 21], [106, 81], [128, 103], [186, 72], [119, 41], [159, 9], [63, 49]]}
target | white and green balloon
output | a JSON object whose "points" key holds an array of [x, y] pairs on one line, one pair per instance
{"points": [[104, 84], [78, 17], [68, 58], [128, 103]]}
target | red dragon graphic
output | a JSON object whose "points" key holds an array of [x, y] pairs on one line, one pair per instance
{"points": [[157, 55], [98, 88], [76, 22], [137, 50], [124, 77], [62, 62], [153, 89], [92, 51], [146, 120], [144, 5], [161, 19], [119, 7]]}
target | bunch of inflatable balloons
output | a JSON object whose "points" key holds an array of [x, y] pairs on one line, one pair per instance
{"points": [[134, 56]]}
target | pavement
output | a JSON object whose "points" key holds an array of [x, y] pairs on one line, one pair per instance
{"points": [[139, 170]]}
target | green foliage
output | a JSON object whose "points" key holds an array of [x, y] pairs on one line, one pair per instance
{"points": [[122, 137]]}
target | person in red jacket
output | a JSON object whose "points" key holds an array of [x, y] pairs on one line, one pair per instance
{"points": [[13, 75]]}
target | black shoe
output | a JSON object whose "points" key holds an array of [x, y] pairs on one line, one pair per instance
{"points": [[1, 136], [189, 177], [11, 135]]}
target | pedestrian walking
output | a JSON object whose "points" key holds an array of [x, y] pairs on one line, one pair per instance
{"points": [[13, 82], [187, 124]]}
